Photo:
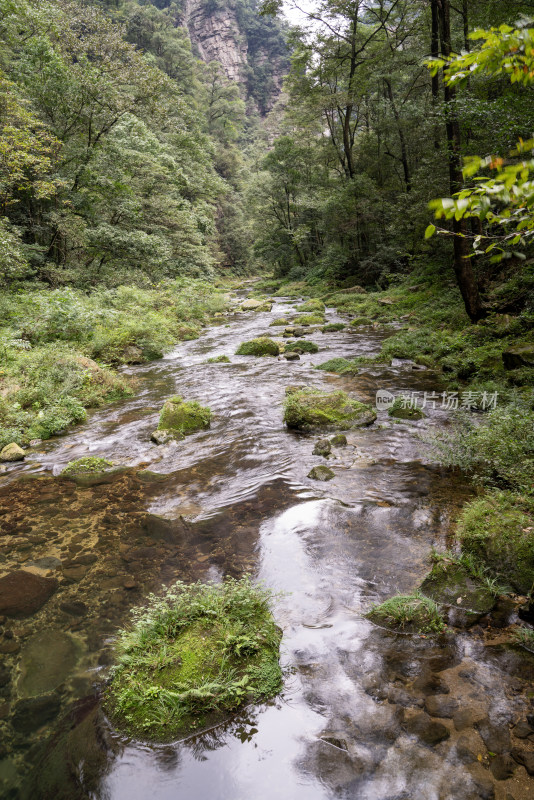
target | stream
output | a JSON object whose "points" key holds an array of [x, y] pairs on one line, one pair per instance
{"points": [[365, 713]]}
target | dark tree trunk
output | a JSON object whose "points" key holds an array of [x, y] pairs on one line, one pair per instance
{"points": [[463, 264]]}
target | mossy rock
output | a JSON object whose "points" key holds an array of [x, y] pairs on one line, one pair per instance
{"points": [[277, 322], [498, 531], [90, 471], [258, 347], [302, 347], [341, 366], [357, 321], [306, 409], [12, 452], [194, 657], [322, 448], [311, 319], [183, 417], [333, 327], [311, 306], [321, 473], [409, 613], [521, 356], [218, 360], [401, 410], [452, 585], [251, 304], [339, 440]]}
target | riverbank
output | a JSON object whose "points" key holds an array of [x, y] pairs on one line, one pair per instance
{"points": [[60, 349]]}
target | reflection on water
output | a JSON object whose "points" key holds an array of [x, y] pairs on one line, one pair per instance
{"points": [[352, 721]]}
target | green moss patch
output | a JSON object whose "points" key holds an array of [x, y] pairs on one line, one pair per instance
{"points": [[498, 531], [218, 360], [193, 656], [258, 347], [333, 327], [401, 410], [357, 321], [89, 471], [451, 583], [311, 306], [279, 321], [304, 346], [341, 366], [183, 417], [409, 613], [311, 319], [311, 408]]}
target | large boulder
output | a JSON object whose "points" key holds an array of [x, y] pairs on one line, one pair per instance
{"points": [[12, 452], [22, 593], [306, 409], [521, 356]]}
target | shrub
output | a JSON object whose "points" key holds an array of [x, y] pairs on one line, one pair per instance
{"points": [[498, 450], [194, 655]]}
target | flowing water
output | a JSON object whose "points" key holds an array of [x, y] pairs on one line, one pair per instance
{"points": [[233, 499]]}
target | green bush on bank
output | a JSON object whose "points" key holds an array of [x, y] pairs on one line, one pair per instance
{"points": [[49, 340]]}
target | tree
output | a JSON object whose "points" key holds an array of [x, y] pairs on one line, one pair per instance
{"points": [[503, 202]]}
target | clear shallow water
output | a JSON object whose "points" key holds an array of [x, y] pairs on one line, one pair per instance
{"points": [[237, 498]]}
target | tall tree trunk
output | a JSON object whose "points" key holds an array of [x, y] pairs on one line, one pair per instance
{"points": [[463, 264], [434, 51], [402, 138]]}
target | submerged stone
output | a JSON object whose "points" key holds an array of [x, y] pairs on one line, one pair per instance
{"points": [[12, 452], [31, 713], [46, 661], [311, 408], [22, 593]]}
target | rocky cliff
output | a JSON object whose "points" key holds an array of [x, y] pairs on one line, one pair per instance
{"points": [[251, 49]]}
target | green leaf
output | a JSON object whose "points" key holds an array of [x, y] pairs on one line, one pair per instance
{"points": [[430, 231]]}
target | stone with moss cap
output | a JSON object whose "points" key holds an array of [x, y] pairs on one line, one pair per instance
{"points": [[12, 452], [306, 409], [341, 366], [181, 417], [193, 657], [262, 346], [402, 410], [90, 471], [304, 346]]}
